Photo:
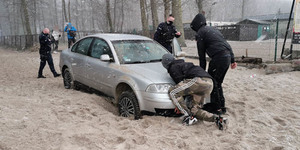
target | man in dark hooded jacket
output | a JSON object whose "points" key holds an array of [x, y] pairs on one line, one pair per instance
{"points": [[190, 80], [210, 41], [165, 33]]}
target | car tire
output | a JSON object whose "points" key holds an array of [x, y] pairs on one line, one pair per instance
{"points": [[128, 105], [68, 79]]}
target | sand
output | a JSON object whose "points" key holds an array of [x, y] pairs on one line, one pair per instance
{"points": [[38, 114]]}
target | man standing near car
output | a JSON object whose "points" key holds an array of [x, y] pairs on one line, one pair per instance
{"points": [[165, 33], [210, 41], [45, 53]]}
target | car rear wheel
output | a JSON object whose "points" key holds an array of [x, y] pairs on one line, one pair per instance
{"points": [[128, 105], [68, 79]]}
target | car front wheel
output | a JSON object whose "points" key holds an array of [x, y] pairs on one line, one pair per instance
{"points": [[128, 105], [68, 79]]}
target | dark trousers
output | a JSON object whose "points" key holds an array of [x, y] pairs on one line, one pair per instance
{"points": [[56, 45], [168, 46], [71, 42], [217, 69], [44, 59]]}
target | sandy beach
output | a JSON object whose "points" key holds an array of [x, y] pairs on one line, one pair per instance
{"points": [[39, 114]]}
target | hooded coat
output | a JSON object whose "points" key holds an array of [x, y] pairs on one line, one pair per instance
{"points": [[180, 70], [210, 41], [69, 28]]}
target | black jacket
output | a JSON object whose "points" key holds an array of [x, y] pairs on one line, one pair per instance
{"points": [[45, 44], [210, 41], [180, 70], [165, 33]]}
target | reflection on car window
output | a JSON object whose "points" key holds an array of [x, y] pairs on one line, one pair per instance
{"points": [[138, 51], [83, 46], [74, 47], [99, 48]]}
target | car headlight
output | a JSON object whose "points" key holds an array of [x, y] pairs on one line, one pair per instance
{"points": [[158, 88]]}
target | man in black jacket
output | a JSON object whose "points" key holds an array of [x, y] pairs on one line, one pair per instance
{"points": [[210, 41], [165, 33], [45, 53], [190, 80]]}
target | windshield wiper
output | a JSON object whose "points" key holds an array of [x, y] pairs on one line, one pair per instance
{"points": [[135, 62], [156, 60]]}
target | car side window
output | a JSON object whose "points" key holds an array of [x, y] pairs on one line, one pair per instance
{"points": [[99, 48], [74, 47], [83, 46]]}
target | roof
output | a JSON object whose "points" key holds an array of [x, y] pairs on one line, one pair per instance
{"points": [[119, 37], [253, 21], [284, 16]]}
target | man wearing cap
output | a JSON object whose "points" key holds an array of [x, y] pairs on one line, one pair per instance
{"points": [[165, 33]]}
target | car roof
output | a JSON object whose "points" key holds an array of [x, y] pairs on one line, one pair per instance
{"points": [[119, 37]]}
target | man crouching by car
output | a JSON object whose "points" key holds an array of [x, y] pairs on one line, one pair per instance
{"points": [[190, 80]]}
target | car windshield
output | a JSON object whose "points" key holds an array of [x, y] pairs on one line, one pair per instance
{"points": [[138, 51]]}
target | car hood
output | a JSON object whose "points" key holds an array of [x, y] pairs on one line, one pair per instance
{"points": [[154, 72]]}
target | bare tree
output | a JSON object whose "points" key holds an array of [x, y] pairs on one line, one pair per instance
{"points": [[154, 14], [69, 9], [55, 11], [200, 5], [64, 10], [144, 19], [122, 12], [177, 13], [108, 15], [167, 6], [25, 12]]}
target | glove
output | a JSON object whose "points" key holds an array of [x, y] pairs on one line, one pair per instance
{"points": [[177, 111]]}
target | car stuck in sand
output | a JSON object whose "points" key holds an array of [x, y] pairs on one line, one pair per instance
{"points": [[123, 66]]}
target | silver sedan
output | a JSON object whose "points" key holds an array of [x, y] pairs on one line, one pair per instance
{"points": [[125, 67]]}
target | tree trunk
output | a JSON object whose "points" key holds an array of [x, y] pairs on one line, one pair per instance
{"points": [[144, 19], [177, 13], [64, 10], [154, 14], [76, 16], [108, 15], [34, 17], [55, 9], [16, 19], [25, 12], [122, 11], [200, 6], [22, 22], [115, 15], [69, 9], [167, 6]]}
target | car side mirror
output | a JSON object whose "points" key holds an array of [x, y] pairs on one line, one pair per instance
{"points": [[105, 57]]}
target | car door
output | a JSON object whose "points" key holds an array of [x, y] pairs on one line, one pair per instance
{"points": [[100, 73], [79, 59]]}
